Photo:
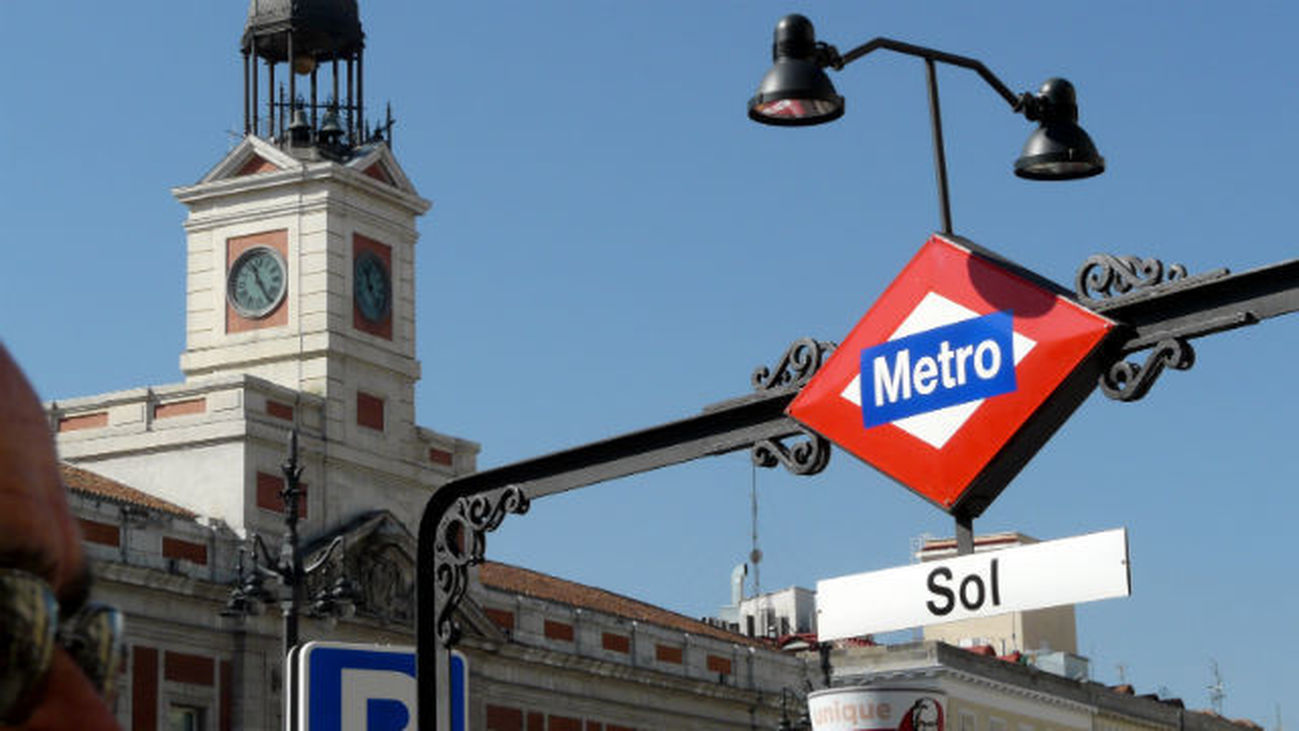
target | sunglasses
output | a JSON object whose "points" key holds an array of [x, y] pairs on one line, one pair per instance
{"points": [[30, 628]]}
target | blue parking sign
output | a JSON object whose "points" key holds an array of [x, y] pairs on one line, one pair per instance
{"points": [[368, 688]]}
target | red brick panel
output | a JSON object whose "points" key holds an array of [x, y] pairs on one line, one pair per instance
{"points": [[180, 408], [84, 421], [96, 532], [500, 718], [536, 722], [440, 456], [279, 410], [225, 723], [502, 618], [256, 164], [369, 411], [176, 548], [268, 494], [593, 726], [616, 643], [718, 664], [667, 653], [383, 329], [560, 723], [612, 727], [559, 631], [278, 240], [144, 687], [179, 667], [380, 174]]}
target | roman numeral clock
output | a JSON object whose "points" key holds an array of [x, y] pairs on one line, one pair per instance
{"points": [[257, 282]]}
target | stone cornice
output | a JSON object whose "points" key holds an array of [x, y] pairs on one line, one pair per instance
{"points": [[314, 172]]}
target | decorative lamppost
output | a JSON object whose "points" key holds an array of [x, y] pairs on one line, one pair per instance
{"points": [[804, 721], [250, 593], [796, 92]]}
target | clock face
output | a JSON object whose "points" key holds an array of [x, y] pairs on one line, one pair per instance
{"points": [[371, 286], [257, 283]]}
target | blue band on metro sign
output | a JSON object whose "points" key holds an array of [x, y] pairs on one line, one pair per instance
{"points": [[931, 370]]}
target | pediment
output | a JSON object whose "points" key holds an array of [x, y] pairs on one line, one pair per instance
{"points": [[377, 161], [377, 553], [251, 156]]}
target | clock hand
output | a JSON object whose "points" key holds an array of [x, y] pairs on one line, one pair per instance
{"points": [[261, 285]]}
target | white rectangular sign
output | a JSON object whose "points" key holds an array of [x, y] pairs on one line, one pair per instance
{"points": [[1065, 571]]}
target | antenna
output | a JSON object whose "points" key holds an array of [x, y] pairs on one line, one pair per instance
{"points": [[1217, 691], [755, 555], [1123, 673]]}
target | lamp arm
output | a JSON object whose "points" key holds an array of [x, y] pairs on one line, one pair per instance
{"points": [[259, 546], [329, 552], [830, 57]]}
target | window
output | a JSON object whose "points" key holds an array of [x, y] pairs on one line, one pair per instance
{"points": [[185, 718], [967, 722]]}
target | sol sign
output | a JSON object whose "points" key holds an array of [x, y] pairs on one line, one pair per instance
{"points": [[1065, 571], [877, 709], [957, 374]]}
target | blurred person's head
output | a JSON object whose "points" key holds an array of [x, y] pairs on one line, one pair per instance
{"points": [[58, 653]]}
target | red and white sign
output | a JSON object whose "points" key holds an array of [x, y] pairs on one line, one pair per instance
{"points": [[923, 388], [864, 708]]}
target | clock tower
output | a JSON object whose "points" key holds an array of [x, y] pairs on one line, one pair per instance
{"points": [[301, 241], [300, 308]]}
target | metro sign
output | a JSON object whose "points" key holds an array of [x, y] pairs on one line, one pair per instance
{"points": [[957, 375]]}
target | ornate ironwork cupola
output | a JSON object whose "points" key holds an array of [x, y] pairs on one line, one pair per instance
{"points": [[321, 44]]}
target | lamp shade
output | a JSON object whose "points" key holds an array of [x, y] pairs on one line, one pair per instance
{"points": [[796, 91], [1058, 149]]}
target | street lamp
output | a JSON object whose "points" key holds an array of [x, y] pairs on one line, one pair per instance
{"points": [[804, 721], [796, 92], [249, 594]]}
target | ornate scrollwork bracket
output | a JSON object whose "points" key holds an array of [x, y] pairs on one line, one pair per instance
{"points": [[801, 361], [1105, 276], [1128, 381], [811, 453], [808, 456], [460, 542]]}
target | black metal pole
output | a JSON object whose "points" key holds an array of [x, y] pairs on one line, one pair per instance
{"points": [[257, 72], [271, 130], [246, 102], [940, 157], [293, 77], [314, 102], [291, 567], [351, 107]]}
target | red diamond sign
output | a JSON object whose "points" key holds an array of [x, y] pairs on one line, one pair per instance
{"points": [[957, 375]]}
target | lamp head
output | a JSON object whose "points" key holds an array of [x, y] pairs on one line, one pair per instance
{"points": [[1058, 149], [796, 91]]}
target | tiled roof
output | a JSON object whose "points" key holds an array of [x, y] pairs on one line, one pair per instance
{"points": [[89, 483], [541, 586]]}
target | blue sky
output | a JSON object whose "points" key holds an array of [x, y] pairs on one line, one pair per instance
{"points": [[614, 245]]}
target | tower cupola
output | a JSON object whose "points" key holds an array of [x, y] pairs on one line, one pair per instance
{"points": [[317, 46]]}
